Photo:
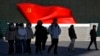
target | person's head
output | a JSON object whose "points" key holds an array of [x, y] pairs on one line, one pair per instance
{"points": [[72, 26], [17, 25], [11, 25], [39, 22], [54, 21], [22, 25], [94, 26], [28, 25]]}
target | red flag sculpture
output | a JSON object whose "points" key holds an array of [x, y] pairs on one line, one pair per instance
{"points": [[34, 12]]}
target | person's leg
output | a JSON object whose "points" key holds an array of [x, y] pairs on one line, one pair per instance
{"points": [[20, 46], [38, 47], [52, 44], [36, 50], [24, 45], [43, 44], [90, 44], [28, 47], [72, 44], [95, 43], [11, 46], [9, 51], [16, 46], [56, 46]]}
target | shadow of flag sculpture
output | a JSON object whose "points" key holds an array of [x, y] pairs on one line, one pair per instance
{"points": [[35, 12]]}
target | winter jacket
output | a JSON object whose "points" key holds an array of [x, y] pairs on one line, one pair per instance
{"points": [[29, 33], [54, 31], [10, 35], [22, 33], [72, 33]]}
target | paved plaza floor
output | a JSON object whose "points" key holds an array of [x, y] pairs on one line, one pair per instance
{"points": [[80, 49]]}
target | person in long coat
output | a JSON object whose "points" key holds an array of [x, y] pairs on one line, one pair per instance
{"points": [[10, 36], [72, 35]]}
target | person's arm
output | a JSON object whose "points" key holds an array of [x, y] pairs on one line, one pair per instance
{"points": [[26, 34], [90, 32], [32, 34], [6, 34], [49, 30], [59, 30]]}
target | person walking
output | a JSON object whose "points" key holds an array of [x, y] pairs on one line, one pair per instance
{"points": [[93, 35], [72, 36], [10, 36], [41, 36], [54, 30], [29, 37]]}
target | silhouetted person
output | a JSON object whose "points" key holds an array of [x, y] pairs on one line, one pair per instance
{"points": [[29, 37], [72, 36], [10, 36], [93, 35], [54, 30], [41, 36]]}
